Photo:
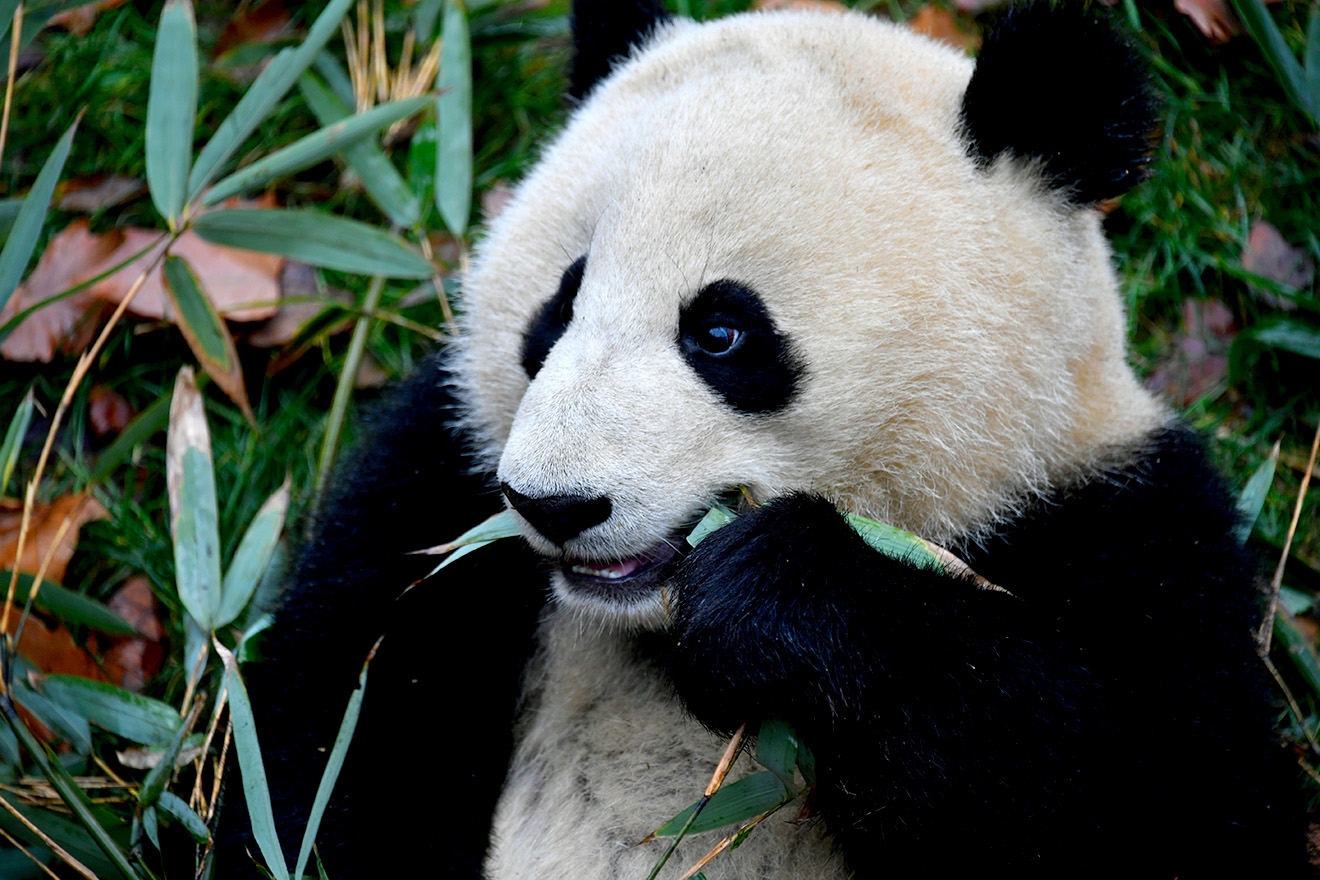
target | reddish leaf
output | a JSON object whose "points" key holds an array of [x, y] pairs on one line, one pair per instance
{"points": [[47, 519], [940, 24], [267, 22], [298, 281], [1269, 255], [131, 663], [108, 412], [88, 195], [1198, 361], [79, 20], [66, 324], [1212, 17]]}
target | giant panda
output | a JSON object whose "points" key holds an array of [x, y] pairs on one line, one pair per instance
{"points": [[829, 262]]}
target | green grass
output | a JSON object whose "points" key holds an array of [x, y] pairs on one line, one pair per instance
{"points": [[1233, 150]]}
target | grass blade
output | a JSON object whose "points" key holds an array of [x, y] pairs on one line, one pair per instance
{"points": [[315, 238], [172, 109], [70, 607], [13, 442], [383, 183], [453, 159], [1311, 63], [140, 719], [278, 77], [23, 237], [190, 483], [1252, 500], [1275, 49], [205, 331], [254, 771], [333, 766], [315, 147], [253, 555]]}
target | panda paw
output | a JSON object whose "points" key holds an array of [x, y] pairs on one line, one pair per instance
{"points": [[780, 615]]}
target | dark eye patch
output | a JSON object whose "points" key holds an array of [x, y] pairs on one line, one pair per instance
{"points": [[552, 320], [729, 340]]}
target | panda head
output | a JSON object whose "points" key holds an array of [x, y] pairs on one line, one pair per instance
{"points": [[804, 252]]}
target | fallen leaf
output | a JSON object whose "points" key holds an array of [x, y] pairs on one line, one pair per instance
{"points": [[133, 662], [267, 22], [298, 282], [1212, 17], [47, 519], [815, 5], [79, 20], [52, 649], [243, 285], [1197, 363], [108, 412], [370, 374], [88, 195], [1269, 255], [66, 324], [939, 24]]}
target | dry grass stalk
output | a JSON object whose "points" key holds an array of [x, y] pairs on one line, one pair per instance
{"points": [[15, 29], [374, 82], [52, 845], [1266, 632], [36, 861]]}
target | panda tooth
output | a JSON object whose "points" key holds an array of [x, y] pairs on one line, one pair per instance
{"points": [[612, 574]]}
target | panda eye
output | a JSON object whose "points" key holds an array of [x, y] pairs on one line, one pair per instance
{"points": [[719, 340]]}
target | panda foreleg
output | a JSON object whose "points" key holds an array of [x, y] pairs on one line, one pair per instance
{"points": [[433, 741]]}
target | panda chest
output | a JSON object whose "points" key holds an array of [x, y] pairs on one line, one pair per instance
{"points": [[605, 756]]}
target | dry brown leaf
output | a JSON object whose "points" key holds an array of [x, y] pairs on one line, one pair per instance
{"points": [[88, 195], [1269, 255], [108, 412], [47, 519], [266, 22], [67, 324], [79, 20], [298, 281], [1212, 17], [52, 649], [133, 662], [940, 24], [1198, 361], [815, 5]]}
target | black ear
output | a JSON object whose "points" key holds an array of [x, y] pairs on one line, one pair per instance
{"points": [[1056, 84], [605, 31]]}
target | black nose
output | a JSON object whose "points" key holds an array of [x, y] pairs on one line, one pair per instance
{"points": [[559, 518]]}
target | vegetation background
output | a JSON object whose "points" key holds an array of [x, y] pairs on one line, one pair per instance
{"points": [[1217, 250]]}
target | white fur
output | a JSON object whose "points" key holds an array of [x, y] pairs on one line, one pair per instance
{"points": [[962, 334]]}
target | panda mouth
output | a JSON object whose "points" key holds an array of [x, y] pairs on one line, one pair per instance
{"points": [[628, 576]]}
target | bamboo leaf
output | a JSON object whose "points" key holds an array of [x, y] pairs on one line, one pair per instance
{"points": [[132, 716], [9, 209], [23, 236], [501, 525], [69, 726], [190, 483], [1275, 49], [424, 15], [315, 147], [161, 774], [735, 802], [383, 183], [315, 238], [776, 750], [717, 517], [276, 80], [332, 767], [253, 555], [1252, 500], [1289, 336], [70, 607], [453, 161], [13, 442], [205, 331], [191, 822], [255, 788], [172, 109], [891, 541]]}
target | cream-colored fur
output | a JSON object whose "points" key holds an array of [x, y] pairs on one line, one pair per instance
{"points": [[961, 331]]}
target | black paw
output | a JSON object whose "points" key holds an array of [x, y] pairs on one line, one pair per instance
{"points": [[776, 617]]}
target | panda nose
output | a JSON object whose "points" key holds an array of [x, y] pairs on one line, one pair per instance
{"points": [[560, 518]]}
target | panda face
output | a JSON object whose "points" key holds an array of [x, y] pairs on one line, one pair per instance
{"points": [[761, 256]]}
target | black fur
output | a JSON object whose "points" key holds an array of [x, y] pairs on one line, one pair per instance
{"points": [[1110, 718], [436, 723], [552, 320], [605, 31], [1057, 85], [760, 374]]}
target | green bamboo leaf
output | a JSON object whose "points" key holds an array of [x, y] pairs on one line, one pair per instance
{"points": [[205, 331], [891, 541], [777, 749], [334, 75], [18, 426], [67, 725], [132, 716], [191, 822], [717, 517], [1288, 335], [23, 237], [502, 525], [735, 802], [1299, 648], [60, 828], [383, 183], [276, 80], [253, 555], [315, 147], [70, 607], [172, 109], [1295, 601], [1275, 49], [421, 160], [151, 825], [453, 160], [160, 775], [315, 238], [190, 484], [424, 15], [332, 768], [254, 770], [9, 209], [1252, 500]]}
